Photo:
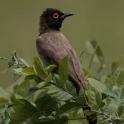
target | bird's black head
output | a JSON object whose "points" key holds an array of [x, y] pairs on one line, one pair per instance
{"points": [[53, 18]]}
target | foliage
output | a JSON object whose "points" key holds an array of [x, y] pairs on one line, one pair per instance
{"points": [[41, 96]]}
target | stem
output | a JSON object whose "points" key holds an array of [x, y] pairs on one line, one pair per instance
{"points": [[5, 58]]}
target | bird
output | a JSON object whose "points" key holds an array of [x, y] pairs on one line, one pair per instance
{"points": [[52, 45]]}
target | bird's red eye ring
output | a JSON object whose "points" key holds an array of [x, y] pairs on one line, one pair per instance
{"points": [[55, 15]]}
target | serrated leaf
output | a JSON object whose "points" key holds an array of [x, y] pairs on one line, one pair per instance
{"points": [[97, 85], [21, 110], [40, 69], [58, 93]]}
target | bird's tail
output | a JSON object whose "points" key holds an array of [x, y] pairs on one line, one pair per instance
{"points": [[90, 115]]}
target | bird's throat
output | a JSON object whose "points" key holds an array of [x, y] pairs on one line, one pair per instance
{"points": [[46, 27]]}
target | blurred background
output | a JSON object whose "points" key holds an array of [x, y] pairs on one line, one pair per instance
{"points": [[100, 20]]}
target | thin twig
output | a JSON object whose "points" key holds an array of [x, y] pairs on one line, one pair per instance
{"points": [[5, 58]]}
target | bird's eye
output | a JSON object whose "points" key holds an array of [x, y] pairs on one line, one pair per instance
{"points": [[55, 15]]}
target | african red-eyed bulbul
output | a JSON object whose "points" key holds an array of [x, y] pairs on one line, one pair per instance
{"points": [[52, 46]]}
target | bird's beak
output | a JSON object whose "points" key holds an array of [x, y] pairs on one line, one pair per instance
{"points": [[66, 15]]}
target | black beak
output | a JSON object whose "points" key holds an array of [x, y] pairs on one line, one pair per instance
{"points": [[66, 15]]}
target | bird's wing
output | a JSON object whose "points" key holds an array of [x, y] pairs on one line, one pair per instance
{"points": [[75, 68], [48, 47], [55, 46]]}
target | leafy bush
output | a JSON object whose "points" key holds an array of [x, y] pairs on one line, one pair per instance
{"points": [[40, 96]]}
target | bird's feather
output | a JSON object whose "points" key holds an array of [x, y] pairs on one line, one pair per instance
{"points": [[55, 46]]}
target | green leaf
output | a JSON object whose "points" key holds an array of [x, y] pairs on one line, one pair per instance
{"points": [[120, 110], [122, 92], [97, 85], [114, 66], [47, 104], [40, 69], [29, 70], [67, 107], [98, 98], [52, 91], [3, 100], [120, 79], [24, 71], [63, 69], [87, 72], [50, 68], [23, 89], [4, 115], [4, 96], [42, 96], [53, 120], [93, 48], [78, 121], [58, 93], [21, 111]]}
